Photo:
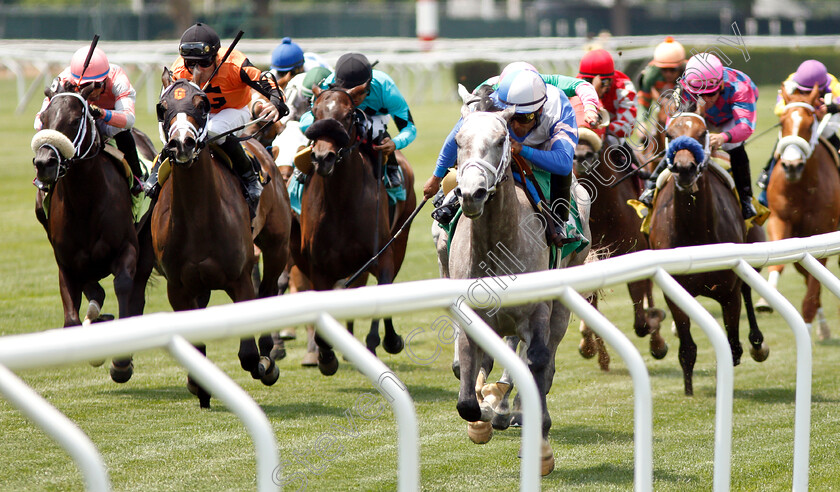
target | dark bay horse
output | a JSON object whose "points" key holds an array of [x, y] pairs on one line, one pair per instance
{"points": [[616, 230], [495, 237], [88, 217], [344, 212], [804, 191], [201, 227], [696, 206]]}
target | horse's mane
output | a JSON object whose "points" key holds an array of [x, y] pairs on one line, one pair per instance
{"points": [[482, 100]]}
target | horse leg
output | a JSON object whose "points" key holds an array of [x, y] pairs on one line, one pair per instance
{"points": [[759, 349], [269, 370], [393, 343], [811, 302], [327, 361], [310, 358], [502, 390], [95, 294], [71, 298], [591, 343], [688, 349], [762, 306], [479, 428], [181, 301], [273, 268], [539, 357], [122, 368], [731, 306], [647, 319], [372, 340]]}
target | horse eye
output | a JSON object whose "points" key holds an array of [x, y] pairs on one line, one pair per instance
{"points": [[500, 142]]}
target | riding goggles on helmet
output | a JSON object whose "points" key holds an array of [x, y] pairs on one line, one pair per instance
{"points": [[197, 49], [524, 118]]}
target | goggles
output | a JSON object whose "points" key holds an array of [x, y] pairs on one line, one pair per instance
{"points": [[524, 118], [204, 63], [197, 49]]}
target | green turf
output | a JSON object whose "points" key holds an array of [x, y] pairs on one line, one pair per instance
{"points": [[154, 437]]}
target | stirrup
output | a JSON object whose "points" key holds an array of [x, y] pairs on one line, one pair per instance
{"points": [[151, 187], [763, 179], [747, 209], [393, 176], [647, 197]]}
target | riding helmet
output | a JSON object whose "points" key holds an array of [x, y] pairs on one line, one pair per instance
{"points": [[669, 54], [703, 74], [810, 73], [286, 56], [96, 70], [352, 69], [597, 63], [199, 42], [524, 89]]}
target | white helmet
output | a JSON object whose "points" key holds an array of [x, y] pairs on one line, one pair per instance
{"points": [[524, 89], [515, 67]]}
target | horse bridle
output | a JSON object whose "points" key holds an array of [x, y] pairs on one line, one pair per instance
{"points": [[87, 127], [487, 169], [358, 117], [805, 146], [707, 152], [183, 127]]}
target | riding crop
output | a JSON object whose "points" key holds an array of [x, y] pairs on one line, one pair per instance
{"points": [[370, 261]]}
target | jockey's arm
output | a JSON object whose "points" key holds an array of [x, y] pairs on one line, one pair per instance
{"points": [[557, 160], [743, 112], [625, 111], [250, 75], [446, 159], [397, 107]]}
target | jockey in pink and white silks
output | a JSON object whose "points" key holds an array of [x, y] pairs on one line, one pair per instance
{"points": [[729, 97], [111, 102]]}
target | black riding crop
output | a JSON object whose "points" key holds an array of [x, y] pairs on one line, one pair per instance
{"points": [[89, 56]]}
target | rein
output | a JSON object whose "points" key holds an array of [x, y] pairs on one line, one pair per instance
{"points": [[795, 142], [87, 127], [359, 116], [487, 169]]}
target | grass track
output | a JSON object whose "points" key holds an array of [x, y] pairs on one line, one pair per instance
{"points": [[154, 437]]}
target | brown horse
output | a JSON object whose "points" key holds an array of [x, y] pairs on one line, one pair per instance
{"points": [[344, 212], [616, 229], [697, 207], [804, 190], [88, 217], [201, 229]]}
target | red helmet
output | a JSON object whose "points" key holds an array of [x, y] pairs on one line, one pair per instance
{"points": [[597, 63], [97, 69]]}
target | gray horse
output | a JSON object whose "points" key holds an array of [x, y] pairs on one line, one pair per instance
{"points": [[499, 234]]}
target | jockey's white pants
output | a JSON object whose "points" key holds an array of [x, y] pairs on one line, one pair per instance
{"points": [[376, 125], [832, 126], [287, 143], [226, 120]]}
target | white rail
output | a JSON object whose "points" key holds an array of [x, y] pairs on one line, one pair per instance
{"points": [[235, 320]]}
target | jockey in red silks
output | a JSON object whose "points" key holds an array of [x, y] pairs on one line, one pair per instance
{"points": [[729, 97], [111, 102]]}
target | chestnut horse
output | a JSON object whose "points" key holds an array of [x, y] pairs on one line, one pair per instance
{"points": [[201, 227], [344, 212], [88, 217], [804, 191], [616, 230], [697, 207]]}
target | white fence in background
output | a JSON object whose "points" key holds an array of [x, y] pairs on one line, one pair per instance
{"points": [[172, 331], [422, 70]]}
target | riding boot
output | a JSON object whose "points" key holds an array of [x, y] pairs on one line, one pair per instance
{"points": [[740, 164], [244, 168], [445, 207], [764, 175], [151, 187], [558, 216], [392, 173], [835, 141], [650, 184], [125, 142]]}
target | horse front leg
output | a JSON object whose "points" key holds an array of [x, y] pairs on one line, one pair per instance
{"points": [[811, 301], [731, 307], [249, 355], [122, 368], [590, 343], [759, 349], [180, 300], [71, 298], [540, 357], [393, 342], [647, 319], [688, 349], [470, 354]]}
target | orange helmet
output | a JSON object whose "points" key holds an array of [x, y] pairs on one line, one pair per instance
{"points": [[597, 63], [669, 54]]}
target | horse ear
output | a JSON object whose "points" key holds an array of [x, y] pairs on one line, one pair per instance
{"points": [[785, 95], [464, 93], [508, 113], [316, 90], [358, 94], [200, 101], [166, 77], [815, 94]]}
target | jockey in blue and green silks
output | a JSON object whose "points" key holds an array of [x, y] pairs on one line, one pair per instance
{"points": [[543, 131], [383, 99]]}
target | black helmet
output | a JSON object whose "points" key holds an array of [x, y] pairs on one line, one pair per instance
{"points": [[199, 42], [352, 69]]}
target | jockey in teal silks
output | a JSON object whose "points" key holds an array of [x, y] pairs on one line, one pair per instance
{"points": [[384, 99], [543, 131]]}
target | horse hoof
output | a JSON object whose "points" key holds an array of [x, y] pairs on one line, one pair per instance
{"points": [[655, 314], [659, 351], [204, 402], [456, 370], [480, 432], [516, 419], [328, 367], [394, 346], [587, 348], [501, 421], [104, 317], [547, 465], [310, 359], [121, 374], [288, 334], [604, 360], [192, 386], [96, 363], [760, 354], [278, 352], [271, 377], [762, 306], [823, 332]]}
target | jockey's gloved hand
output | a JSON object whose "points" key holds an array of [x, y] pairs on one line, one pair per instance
{"points": [[278, 103], [96, 111], [832, 108]]}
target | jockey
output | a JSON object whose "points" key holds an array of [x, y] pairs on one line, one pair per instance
{"points": [[729, 97], [809, 74], [543, 130], [661, 73], [230, 92], [383, 99], [286, 61], [111, 103], [618, 97]]}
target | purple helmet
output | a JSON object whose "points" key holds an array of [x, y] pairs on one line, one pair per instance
{"points": [[812, 72]]}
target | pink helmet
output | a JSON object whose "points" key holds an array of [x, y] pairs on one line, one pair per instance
{"points": [[703, 74], [97, 69]]}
